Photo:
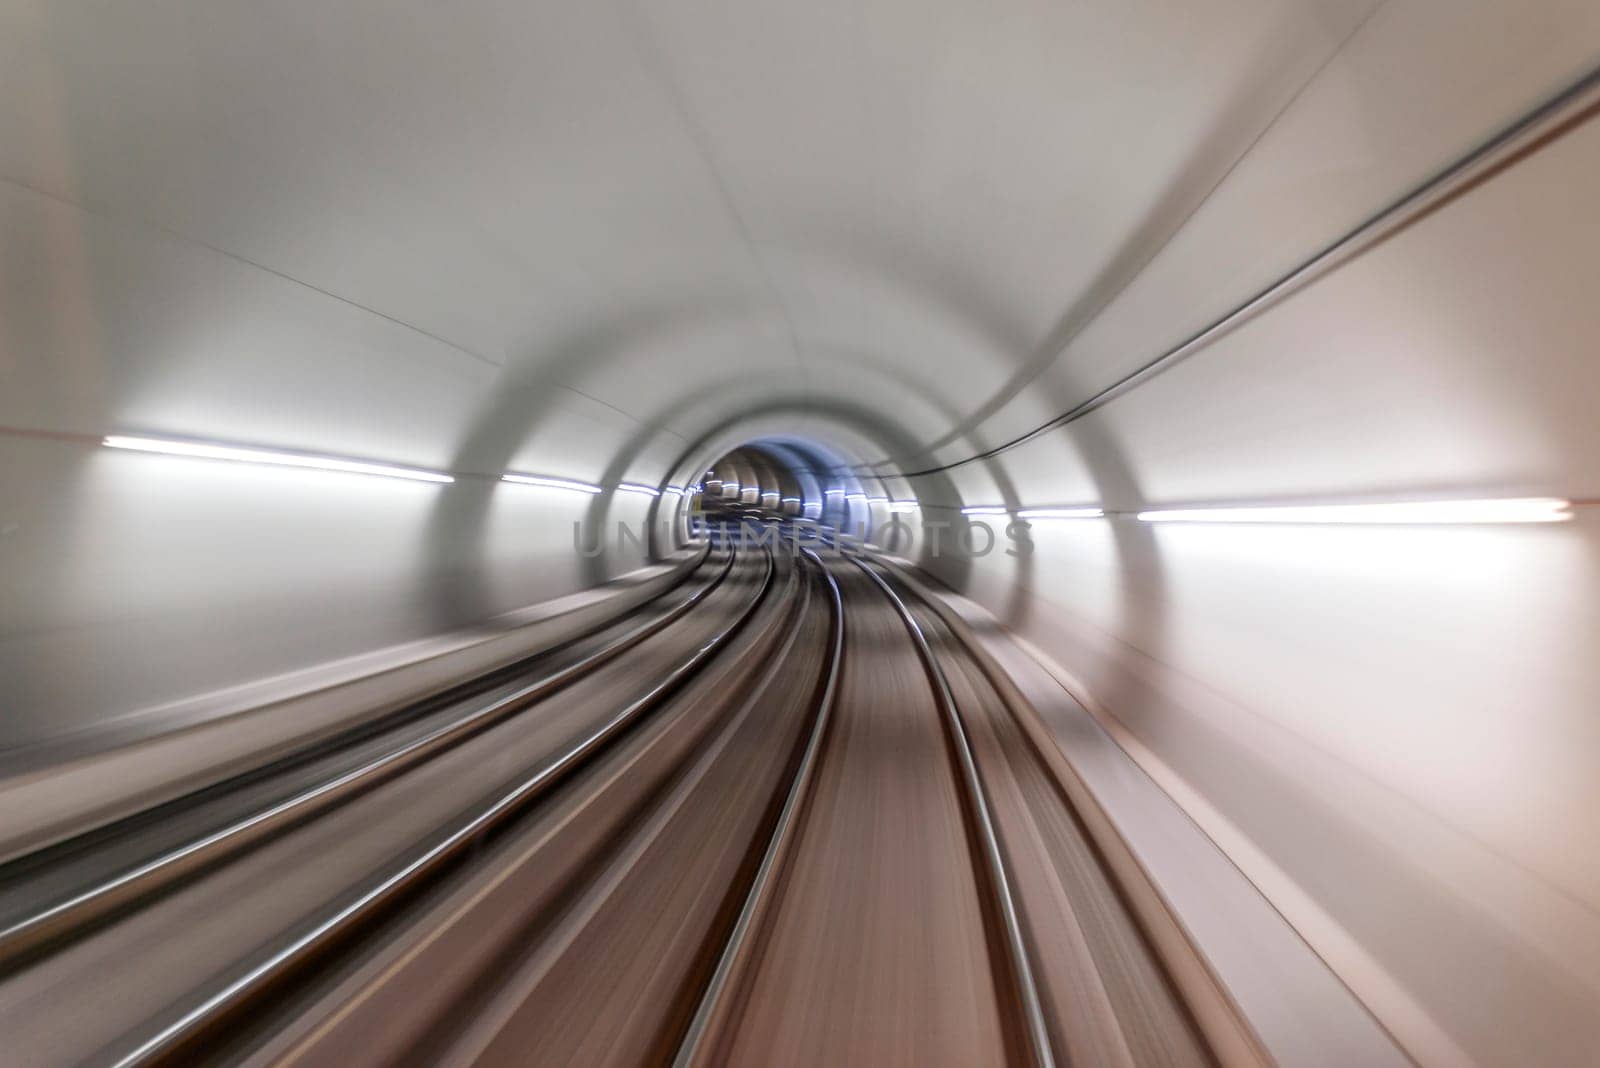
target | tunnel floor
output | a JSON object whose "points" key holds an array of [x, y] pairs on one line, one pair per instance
{"points": [[786, 812]]}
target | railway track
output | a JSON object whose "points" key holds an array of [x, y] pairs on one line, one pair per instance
{"points": [[785, 814]]}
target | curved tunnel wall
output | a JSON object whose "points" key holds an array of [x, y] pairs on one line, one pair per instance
{"points": [[1390, 731]]}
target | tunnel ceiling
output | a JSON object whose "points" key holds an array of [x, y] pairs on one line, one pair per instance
{"points": [[540, 236]]}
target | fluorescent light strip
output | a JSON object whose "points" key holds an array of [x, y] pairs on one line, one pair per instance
{"points": [[877, 500], [551, 483], [855, 496], [634, 487], [1508, 510], [674, 491], [204, 451], [790, 500], [1060, 513], [984, 509], [833, 493], [903, 506]]}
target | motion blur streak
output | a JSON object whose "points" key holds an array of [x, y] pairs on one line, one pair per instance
{"points": [[860, 532], [264, 456], [1525, 510], [1060, 513], [552, 483]]}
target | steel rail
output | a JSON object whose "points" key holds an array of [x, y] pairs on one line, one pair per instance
{"points": [[656, 813], [78, 912], [1218, 1016], [194, 1021], [692, 1047], [1038, 1034]]}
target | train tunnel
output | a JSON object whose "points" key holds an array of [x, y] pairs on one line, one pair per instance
{"points": [[816, 533]]}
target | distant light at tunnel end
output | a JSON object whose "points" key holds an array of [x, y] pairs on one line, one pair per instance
{"points": [[237, 454], [551, 483], [1420, 513]]}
